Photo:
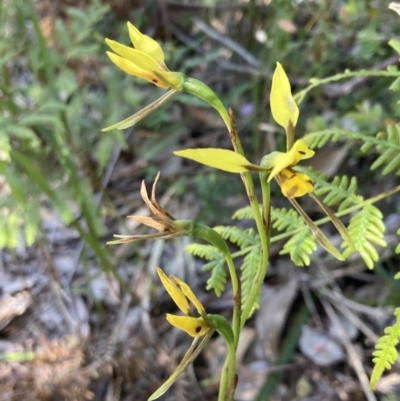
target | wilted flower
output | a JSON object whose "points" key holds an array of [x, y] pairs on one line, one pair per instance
{"points": [[166, 225]]}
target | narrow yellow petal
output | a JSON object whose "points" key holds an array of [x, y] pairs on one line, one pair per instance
{"points": [[175, 293], [145, 43], [133, 69], [222, 159], [283, 107], [190, 295], [138, 57], [299, 151], [318, 234], [336, 222], [194, 326], [295, 184], [132, 120], [192, 353]]}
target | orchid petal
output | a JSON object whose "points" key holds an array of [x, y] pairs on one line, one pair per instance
{"points": [[138, 57], [190, 295], [295, 184], [283, 107], [281, 161], [222, 159], [318, 234], [175, 293], [130, 68], [132, 120], [145, 44], [194, 326]]}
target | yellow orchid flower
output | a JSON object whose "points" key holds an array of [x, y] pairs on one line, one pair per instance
{"points": [[181, 294], [281, 161], [145, 61], [280, 166], [276, 163]]}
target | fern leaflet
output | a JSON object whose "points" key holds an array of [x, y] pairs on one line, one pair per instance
{"points": [[388, 145], [286, 219], [217, 279], [365, 228], [300, 246], [216, 265], [390, 151], [341, 191], [385, 354], [242, 238], [249, 269], [245, 213], [208, 252], [398, 246]]}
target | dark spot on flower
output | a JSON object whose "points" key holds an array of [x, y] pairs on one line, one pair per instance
{"points": [[292, 192], [198, 329], [154, 80], [301, 152]]}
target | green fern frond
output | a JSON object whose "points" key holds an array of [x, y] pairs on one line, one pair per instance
{"points": [[318, 139], [217, 279], [398, 246], [300, 246], [385, 354], [286, 219], [245, 213], [390, 150], [216, 265], [242, 238], [387, 144], [366, 228], [249, 269], [208, 252], [341, 191]]}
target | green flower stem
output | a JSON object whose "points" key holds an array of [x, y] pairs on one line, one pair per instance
{"points": [[261, 227], [228, 376], [237, 301], [210, 235], [202, 91]]}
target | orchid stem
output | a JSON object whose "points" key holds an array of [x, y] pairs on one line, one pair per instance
{"points": [[261, 227]]}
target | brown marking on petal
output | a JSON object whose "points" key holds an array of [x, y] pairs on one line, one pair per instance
{"points": [[292, 192], [198, 329], [301, 152], [154, 80], [285, 178]]}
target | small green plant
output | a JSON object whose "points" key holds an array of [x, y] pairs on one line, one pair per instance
{"points": [[365, 231]]}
